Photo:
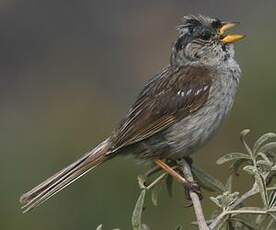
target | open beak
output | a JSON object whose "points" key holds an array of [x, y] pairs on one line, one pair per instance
{"points": [[231, 38]]}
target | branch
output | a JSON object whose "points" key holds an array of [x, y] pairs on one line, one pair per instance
{"points": [[254, 190], [194, 196]]}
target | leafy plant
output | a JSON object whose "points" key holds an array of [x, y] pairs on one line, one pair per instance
{"points": [[231, 213]]}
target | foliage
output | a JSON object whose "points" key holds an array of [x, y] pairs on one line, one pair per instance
{"points": [[258, 161]]}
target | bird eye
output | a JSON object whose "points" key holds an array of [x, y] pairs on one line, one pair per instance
{"points": [[206, 35], [190, 29]]}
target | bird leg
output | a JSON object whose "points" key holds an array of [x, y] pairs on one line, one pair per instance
{"points": [[171, 171], [190, 185], [189, 160]]}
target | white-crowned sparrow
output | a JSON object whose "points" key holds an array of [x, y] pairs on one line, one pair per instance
{"points": [[178, 110]]}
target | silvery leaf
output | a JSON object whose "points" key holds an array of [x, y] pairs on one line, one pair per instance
{"points": [[242, 137], [272, 199], [137, 212], [261, 140], [232, 156], [145, 227], [263, 156], [264, 162], [215, 200], [141, 181], [228, 185], [268, 146], [262, 189], [250, 169], [100, 227], [251, 209]]}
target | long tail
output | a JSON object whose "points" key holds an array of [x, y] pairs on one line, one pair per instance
{"points": [[65, 177]]}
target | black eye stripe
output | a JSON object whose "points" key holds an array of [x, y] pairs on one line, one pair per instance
{"points": [[216, 24], [183, 41], [206, 35], [197, 32]]}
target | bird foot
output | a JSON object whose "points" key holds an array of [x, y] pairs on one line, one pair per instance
{"points": [[189, 185], [194, 187]]}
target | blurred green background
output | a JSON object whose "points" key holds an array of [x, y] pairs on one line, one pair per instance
{"points": [[69, 72]]}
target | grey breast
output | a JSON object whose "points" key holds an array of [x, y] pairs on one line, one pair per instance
{"points": [[194, 130]]}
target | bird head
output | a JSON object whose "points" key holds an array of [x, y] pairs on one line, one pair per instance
{"points": [[204, 39]]}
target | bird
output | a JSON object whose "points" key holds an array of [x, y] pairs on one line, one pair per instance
{"points": [[177, 112]]}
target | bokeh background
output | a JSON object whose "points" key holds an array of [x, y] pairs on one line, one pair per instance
{"points": [[69, 72]]}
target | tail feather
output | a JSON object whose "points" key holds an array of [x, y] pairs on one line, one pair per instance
{"points": [[65, 177]]}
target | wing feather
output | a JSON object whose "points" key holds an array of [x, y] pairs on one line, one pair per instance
{"points": [[167, 98]]}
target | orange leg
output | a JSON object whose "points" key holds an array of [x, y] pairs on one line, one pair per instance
{"points": [[171, 171], [189, 185]]}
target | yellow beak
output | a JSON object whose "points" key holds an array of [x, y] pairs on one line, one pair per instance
{"points": [[231, 38]]}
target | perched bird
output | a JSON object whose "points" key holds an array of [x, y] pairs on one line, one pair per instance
{"points": [[178, 110]]}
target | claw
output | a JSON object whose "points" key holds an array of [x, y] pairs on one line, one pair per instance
{"points": [[194, 187], [190, 186]]}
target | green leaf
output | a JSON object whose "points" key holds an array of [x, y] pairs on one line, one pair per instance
{"points": [[223, 223], [169, 185], [268, 147], [154, 195], [228, 185], [206, 180], [245, 223], [145, 227], [100, 227], [179, 227], [137, 212], [272, 215], [268, 227], [232, 156], [260, 219], [236, 165], [261, 140], [230, 226], [251, 209]]}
